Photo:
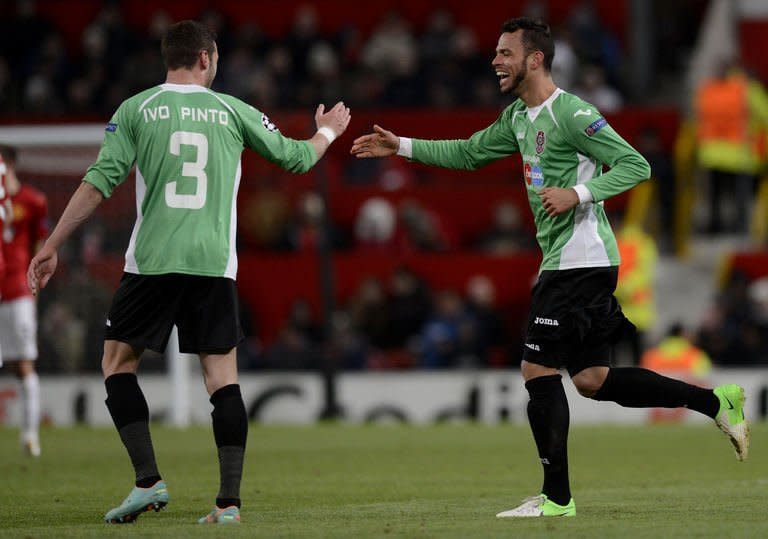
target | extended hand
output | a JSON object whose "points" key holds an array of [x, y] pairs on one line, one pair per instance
{"points": [[380, 143], [336, 119], [41, 268], [557, 200]]}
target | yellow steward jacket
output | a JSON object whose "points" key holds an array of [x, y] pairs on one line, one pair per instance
{"points": [[679, 355], [638, 265], [731, 123]]}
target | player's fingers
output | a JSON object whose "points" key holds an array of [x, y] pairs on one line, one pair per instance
{"points": [[363, 139], [380, 130]]}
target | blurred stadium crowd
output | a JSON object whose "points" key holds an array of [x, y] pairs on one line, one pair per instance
{"points": [[391, 319], [438, 64]]}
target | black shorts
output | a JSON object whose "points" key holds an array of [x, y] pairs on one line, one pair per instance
{"points": [[205, 309], [574, 319]]}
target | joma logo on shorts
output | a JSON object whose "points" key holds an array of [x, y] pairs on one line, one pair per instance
{"points": [[546, 321], [533, 346]]}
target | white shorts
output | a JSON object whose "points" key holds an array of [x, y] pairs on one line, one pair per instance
{"points": [[18, 329]]}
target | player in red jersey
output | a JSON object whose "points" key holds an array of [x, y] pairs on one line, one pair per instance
{"points": [[24, 230], [3, 195]]}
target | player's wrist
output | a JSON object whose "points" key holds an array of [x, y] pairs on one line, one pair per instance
{"points": [[583, 194], [327, 133], [405, 148]]}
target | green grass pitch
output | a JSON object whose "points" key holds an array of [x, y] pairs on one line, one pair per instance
{"points": [[391, 481]]}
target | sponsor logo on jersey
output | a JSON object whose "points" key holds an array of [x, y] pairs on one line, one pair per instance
{"points": [[533, 175], [595, 126], [546, 321], [582, 112], [269, 126], [111, 128], [533, 346], [540, 141]]}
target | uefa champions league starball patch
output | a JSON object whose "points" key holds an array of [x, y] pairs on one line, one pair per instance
{"points": [[540, 141], [268, 125]]}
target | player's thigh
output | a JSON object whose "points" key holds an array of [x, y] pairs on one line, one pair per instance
{"points": [[18, 329], [551, 335], [209, 316], [143, 310]]}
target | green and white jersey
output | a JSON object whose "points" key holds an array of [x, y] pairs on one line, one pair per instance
{"points": [[564, 142], [186, 142]]}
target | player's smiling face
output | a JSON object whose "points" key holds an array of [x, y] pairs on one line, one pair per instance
{"points": [[510, 62]]}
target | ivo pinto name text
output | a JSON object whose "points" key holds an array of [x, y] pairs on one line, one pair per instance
{"points": [[163, 112]]}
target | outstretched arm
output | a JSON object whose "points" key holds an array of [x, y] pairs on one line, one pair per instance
{"points": [[380, 143], [82, 204]]}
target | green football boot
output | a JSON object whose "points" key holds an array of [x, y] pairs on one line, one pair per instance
{"points": [[228, 515], [137, 502], [730, 418], [540, 506]]}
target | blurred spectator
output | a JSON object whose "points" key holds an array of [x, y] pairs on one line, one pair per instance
{"points": [[565, 64], [595, 44], [508, 233], [730, 332], [731, 122], [301, 319], [375, 225], [62, 338], [369, 312], [307, 229], [291, 351], [391, 52], [481, 306], [409, 306], [347, 348], [593, 89], [443, 331], [422, 229], [264, 219]]}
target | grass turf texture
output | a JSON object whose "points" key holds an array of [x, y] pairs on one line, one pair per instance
{"points": [[389, 481]]}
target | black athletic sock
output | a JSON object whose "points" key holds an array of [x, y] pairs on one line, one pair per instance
{"points": [[230, 430], [634, 387], [130, 413], [549, 417]]}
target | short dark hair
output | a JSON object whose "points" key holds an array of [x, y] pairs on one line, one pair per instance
{"points": [[536, 36], [9, 154], [182, 43]]}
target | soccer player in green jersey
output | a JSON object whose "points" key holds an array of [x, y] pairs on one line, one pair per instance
{"points": [[574, 318], [180, 265]]}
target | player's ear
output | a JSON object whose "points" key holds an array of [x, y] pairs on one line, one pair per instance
{"points": [[204, 59], [537, 59]]}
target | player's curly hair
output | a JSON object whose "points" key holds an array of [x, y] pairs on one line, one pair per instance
{"points": [[536, 36], [182, 43]]}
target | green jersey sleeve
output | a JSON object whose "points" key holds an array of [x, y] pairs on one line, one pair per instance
{"points": [[117, 153], [488, 145], [263, 137], [591, 134]]}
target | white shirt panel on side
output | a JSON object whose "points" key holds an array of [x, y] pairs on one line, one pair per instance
{"points": [[231, 270], [585, 249], [130, 253]]}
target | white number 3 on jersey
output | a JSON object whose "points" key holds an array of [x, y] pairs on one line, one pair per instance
{"points": [[195, 169]]}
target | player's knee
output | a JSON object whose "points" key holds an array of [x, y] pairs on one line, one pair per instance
{"points": [[589, 381], [587, 390]]}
